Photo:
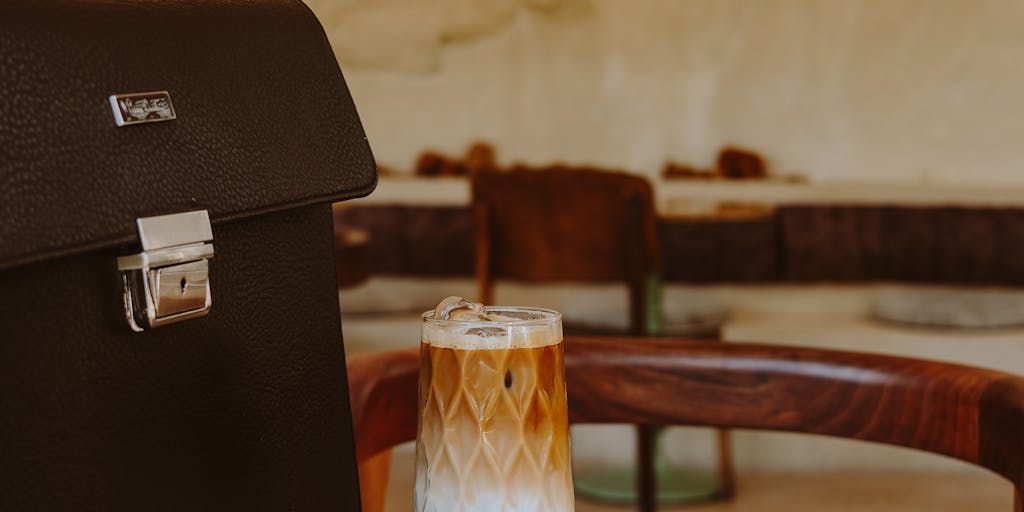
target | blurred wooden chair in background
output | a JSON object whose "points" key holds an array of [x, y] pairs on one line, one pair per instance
{"points": [[568, 225], [579, 225], [971, 414]]}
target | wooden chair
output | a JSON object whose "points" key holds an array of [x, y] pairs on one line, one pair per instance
{"points": [[971, 414], [561, 224]]}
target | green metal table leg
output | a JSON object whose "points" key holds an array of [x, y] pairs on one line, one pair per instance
{"points": [[675, 486]]}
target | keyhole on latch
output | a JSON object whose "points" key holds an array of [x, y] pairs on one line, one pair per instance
{"points": [[183, 284]]}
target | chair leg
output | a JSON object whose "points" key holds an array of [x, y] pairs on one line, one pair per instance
{"points": [[726, 474], [373, 481], [646, 475]]}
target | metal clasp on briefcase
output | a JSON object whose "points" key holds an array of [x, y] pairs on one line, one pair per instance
{"points": [[169, 280]]}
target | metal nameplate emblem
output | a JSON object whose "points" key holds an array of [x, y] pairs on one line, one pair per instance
{"points": [[142, 107]]}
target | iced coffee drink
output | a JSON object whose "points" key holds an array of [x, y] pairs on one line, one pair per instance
{"points": [[494, 431]]}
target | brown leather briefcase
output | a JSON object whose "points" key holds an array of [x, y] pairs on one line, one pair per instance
{"points": [[169, 328]]}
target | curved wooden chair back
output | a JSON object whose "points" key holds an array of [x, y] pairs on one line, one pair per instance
{"points": [[561, 224], [971, 414]]}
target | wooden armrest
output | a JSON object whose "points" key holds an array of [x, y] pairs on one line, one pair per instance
{"points": [[973, 414], [382, 388]]}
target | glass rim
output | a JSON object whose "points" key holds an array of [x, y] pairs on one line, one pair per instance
{"points": [[549, 316]]}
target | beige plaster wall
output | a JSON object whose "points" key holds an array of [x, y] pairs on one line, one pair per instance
{"points": [[915, 91]]}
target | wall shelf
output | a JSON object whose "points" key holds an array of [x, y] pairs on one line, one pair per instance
{"points": [[686, 195]]}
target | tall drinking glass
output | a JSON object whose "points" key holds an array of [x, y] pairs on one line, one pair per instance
{"points": [[493, 432]]}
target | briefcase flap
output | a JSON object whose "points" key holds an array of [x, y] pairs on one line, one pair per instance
{"points": [[111, 111]]}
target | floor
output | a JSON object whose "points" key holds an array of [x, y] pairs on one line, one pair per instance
{"points": [[853, 492], [848, 491]]}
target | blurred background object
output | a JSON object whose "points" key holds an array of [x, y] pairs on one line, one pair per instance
{"points": [[831, 174], [479, 156]]}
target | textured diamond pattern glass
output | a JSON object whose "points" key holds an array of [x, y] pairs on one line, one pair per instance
{"points": [[493, 434]]}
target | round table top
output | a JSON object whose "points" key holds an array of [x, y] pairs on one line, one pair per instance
{"points": [[689, 314], [951, 307]]}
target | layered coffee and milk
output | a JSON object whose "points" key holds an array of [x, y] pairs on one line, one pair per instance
{"points": [[494, 431]]}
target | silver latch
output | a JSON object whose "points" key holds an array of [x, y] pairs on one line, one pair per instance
{"points": [[169, 280]]}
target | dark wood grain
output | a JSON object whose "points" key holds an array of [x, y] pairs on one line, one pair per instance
{"points": [[971, 414], [353, 257], [798, 243], [482, 263], [562, 224], [928, 406], [383, 388], [423, 241], [568, 224]]}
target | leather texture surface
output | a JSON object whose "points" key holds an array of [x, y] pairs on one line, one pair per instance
{"points": [[264, 119], [244, 409]]}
